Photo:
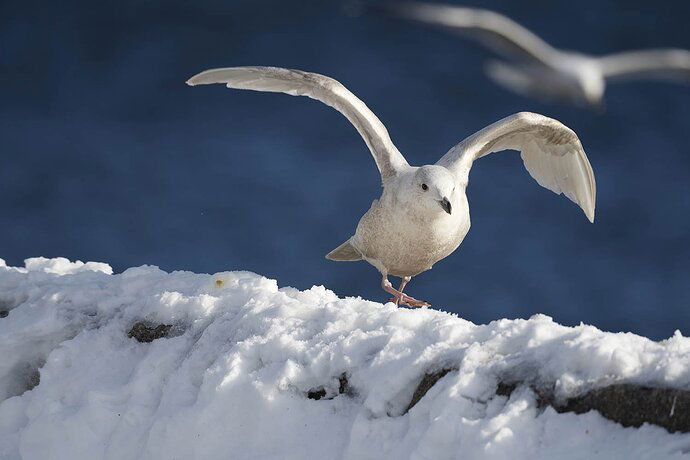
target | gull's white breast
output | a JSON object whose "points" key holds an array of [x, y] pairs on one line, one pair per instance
{"points": [[400, 242]]}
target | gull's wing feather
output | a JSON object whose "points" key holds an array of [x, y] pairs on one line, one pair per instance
{"points": [[672, 64], [327, 90], [497, 32], [552, 154]]}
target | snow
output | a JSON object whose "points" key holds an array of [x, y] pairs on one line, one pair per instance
{"points": [[231, 379]]}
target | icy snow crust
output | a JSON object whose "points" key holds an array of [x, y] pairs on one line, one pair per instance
{"points": [[231, 379]]}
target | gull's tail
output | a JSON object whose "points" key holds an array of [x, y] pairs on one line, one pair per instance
{"points": [[344, 253]]}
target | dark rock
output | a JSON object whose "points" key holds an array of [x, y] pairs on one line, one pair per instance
{"points": [[4, 313], [545, 396], [505, 389], [146, 333], [316, 394], [343, 388], [428, 381], [627, 404], [33, 379], [633, 405]]}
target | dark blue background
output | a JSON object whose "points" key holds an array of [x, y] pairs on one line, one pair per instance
{"points": [[107, 155]]}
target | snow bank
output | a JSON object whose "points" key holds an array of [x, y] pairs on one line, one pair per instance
{"points": [[233, 376]]}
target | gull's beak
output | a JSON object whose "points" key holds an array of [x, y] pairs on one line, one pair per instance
{"points": [[445, 204]]}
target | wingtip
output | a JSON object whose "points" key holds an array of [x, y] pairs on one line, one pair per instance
{"points": [[219, 75], [193, 80], [203, 78], [592, 205], [197, 79]]}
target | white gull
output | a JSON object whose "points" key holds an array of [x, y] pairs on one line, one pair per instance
{"points": [[534, 67], [422, 215]]}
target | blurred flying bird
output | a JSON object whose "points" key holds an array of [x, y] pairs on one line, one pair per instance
{"points": [[422, 215], [538, 69]]}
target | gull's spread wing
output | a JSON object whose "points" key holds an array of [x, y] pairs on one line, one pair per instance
{"points": [[672, 64], [552, 154], [327, 90], [497, 32]]}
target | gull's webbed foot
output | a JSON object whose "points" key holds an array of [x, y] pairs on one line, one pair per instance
{"points": [[409, 301]]}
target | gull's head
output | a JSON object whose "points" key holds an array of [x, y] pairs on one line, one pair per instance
{"points": [[583, 75], [433, 187], [592, 85]]}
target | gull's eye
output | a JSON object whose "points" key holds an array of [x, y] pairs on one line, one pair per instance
{"points": [[425, 187]]}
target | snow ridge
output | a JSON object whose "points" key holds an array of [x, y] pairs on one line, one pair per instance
{"points": [[234, 376]]}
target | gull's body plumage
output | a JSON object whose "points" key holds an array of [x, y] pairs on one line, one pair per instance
{"points": [[422, 215], [534, 67], [402, 239]]}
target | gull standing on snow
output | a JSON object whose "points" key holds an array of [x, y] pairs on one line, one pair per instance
{"points": [[537, 68], [422, 215]]}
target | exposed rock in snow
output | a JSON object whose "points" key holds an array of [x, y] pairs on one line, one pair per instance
{"points": [[627, 404], [148, 333], [247, 370]]}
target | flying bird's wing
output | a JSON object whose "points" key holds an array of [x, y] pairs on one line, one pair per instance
{"points": [[671, 64], [327, 90], [497, 32], [552, 154]]}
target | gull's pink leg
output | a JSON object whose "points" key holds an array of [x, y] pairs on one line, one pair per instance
{"points": [[404, 282], [388, 287], [399, 297]]}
